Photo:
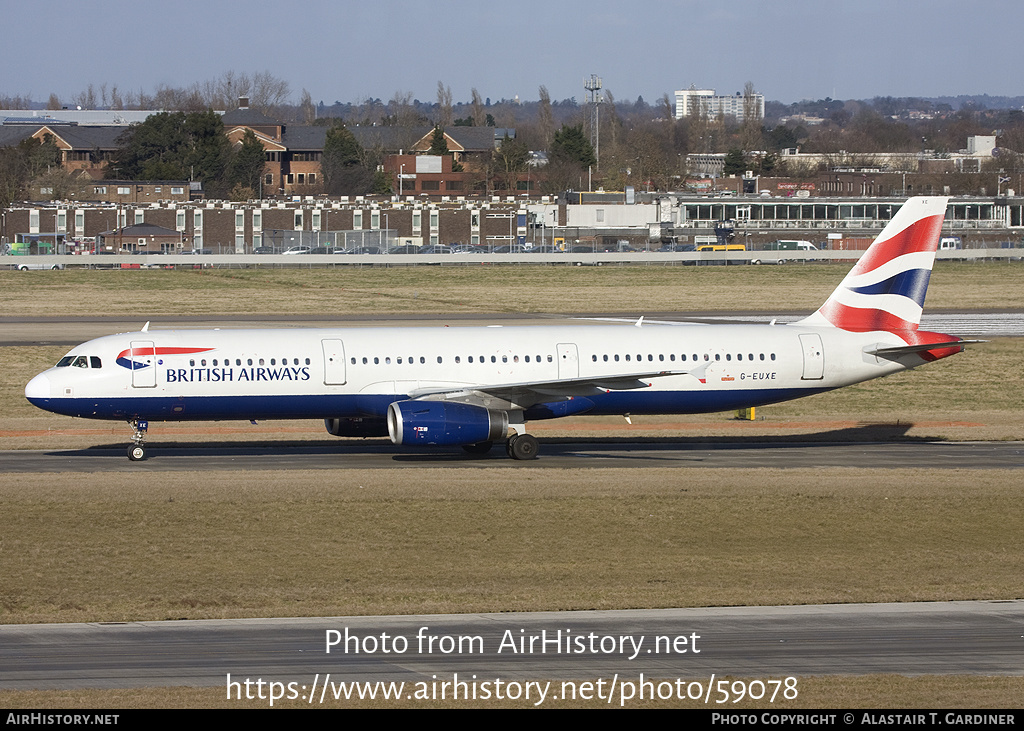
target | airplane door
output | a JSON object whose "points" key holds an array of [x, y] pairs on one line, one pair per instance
{"points": [[143, 360], [814, 357], [568, 361], [334, 362]]}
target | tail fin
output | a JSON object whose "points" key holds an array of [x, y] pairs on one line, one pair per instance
{"points": [[886, 289]]}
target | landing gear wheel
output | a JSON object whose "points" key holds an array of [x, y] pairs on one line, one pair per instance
{"points": [[523, 446], [136, 452], [478, 448]]}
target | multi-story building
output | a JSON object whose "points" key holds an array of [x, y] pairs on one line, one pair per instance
{"points": [[695, 102]]}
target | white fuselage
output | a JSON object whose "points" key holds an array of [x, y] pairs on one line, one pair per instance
{"points": [[358, 372]]}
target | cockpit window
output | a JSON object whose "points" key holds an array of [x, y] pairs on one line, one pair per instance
{"points": [[65, 361], [95, 362], [81, 362]]}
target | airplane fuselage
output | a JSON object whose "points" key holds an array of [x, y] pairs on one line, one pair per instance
{"points": [[358, 372]]}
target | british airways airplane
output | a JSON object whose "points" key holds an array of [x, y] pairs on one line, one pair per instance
{"points": [[474, 386]]}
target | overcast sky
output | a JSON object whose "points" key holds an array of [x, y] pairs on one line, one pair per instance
{"points": [[347, 51]]}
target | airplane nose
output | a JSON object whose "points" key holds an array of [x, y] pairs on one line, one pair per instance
{"points": [[38, 387]]}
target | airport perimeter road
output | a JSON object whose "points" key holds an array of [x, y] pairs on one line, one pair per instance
{"points": [[977, 638], [563, 454]]}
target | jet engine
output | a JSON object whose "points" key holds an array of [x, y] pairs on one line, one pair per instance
{"points": [[444, 423]]}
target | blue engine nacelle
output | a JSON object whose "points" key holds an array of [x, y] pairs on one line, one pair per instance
{"points": [[444, 424], [357, 426]]}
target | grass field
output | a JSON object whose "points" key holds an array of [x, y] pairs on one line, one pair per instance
{"points": [[478, 288], [107, 547]]}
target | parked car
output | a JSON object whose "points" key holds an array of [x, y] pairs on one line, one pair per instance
{"points": [[297, 250], [263, 250]]}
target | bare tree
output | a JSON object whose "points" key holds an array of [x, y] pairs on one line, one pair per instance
{"points": [[544, 118], [750, 132], [401, 110], [479, 116], [306, 108], [444, 105], [54, 102]]}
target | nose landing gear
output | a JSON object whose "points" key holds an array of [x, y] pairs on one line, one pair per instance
{"points": [[137, 450]]}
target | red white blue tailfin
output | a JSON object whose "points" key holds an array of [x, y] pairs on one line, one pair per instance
{"points": [[887, 287]]}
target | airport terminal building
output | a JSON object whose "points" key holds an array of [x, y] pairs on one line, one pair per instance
{"points": [[588, 219]]}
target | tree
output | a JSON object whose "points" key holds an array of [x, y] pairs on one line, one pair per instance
{"points": [[342, 164], [444, 105], [735, 163], [572, 146], [438, 144], [544, 119], [478, 108], [175, 146], [512, 158], [247, 163]]}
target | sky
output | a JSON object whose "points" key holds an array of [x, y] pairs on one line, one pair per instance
{"points": [[347, 51]]}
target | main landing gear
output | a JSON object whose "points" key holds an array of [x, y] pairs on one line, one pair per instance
{"points": [[522, 446], [518, 446], [137, 450]]}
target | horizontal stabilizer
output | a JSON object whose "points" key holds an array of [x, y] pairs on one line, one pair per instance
{"points": [[920, 347]]}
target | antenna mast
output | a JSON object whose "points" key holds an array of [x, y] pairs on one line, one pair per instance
{"points": [[594, 98]]}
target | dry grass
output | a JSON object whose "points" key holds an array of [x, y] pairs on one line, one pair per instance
{"points": [[477, 288], [86, 547]]}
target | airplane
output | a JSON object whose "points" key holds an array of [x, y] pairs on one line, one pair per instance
{"points": [[477, 386]]}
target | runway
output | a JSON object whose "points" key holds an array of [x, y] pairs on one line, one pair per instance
{"points": [[970, 638], [565, 454], [46, 330]]}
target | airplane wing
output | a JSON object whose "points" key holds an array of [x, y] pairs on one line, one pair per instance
{"points": [[527, 393]]}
